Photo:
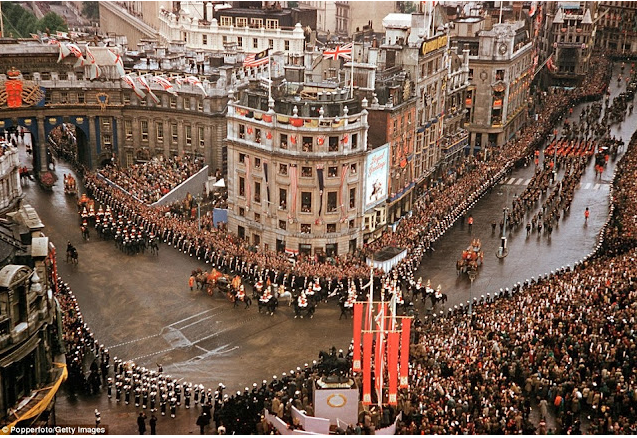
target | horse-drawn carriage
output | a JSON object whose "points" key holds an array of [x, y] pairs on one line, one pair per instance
{"points": [[209, 281], [70, 185], [472, 258], [86, 208]]}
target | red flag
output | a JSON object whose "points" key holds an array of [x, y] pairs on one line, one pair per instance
{"points": [[404, 353], [379, 357], [358, 317], [393, 341], [367, 368]]}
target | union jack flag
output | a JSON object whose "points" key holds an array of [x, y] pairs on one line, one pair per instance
{"points": [[257, 59], [344, 52]]}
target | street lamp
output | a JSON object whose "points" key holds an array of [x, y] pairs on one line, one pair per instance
{"points": [[503, 251], [473, 273]]}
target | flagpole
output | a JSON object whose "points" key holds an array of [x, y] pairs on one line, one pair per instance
{"points": [[269, 77], [351, 79]]}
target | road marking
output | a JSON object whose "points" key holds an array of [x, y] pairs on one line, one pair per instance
{"points": [[526, 183], [597, 186], [133, 341], [587, 186], [192, 316], [510, 181]]}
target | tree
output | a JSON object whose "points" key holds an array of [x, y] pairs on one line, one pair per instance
{"points": [[91, 10], [53, 22]]}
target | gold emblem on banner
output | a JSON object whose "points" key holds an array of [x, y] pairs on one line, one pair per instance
{"points": [[336, 401], [102, 100]]}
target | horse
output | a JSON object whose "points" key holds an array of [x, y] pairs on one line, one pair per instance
{"points": [[245, 300], [270, 305], [435, 300], [332, 364], [72, 256], [308, 309], [345, 310], [287, 294]]}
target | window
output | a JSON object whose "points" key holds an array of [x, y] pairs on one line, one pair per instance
{"points": [[128, 129], [306, 228], [242, 158], [283, 224], [144, 129], [241, 22], [499, 75], [160, 132], [186, 103], [204, 40], [64, 97], [470, 74], [224, 40], [333, 144], [242, 186], [240, 42], [173, 102], [174, 132], [271, 24], [352, 169], [352, 197], [199, 105], [283, 199], [241, 232], [257, 135], [284, 141], [255, 43], [287, 45], [307, 144], [107, 140], [226, 21], [331, 202], [257, 163], [352, 224], [257, 191], [332, 171], [257, 22], [354, 141], [331, 228], [306, 202], [283, 169], [188, 135], [271, 43], [201, 136], [242, 131], [126, 98], [242, 212], [257, 217], [306, 172]]}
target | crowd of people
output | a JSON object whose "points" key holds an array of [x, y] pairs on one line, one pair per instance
{"points": [[150, 181]]}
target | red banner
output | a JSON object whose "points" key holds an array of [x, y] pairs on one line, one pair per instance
{"points": [[358, 317], [367, 368], [393, 341], [404, 353], [14, 93], [379, 357]]}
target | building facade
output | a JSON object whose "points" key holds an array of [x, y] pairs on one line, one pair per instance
{"points": [[617, 27], [455, 136], [297, 181], [10, 187], [29, 335], [500, 71], [570, 38], [354, 16]]}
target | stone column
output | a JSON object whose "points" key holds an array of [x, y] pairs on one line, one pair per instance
{"points": [[92, 141], [121, 140]]}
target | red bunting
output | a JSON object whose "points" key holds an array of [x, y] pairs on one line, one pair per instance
{"points": [[393, 341], [404, 353], [379, 358], [358, 317], [367, 368]]}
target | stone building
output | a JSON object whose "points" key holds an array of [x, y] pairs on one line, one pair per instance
{"points": [[500, 70], [29, 323], [10, 187], [297, 165], [568, 38], [617, 27]]}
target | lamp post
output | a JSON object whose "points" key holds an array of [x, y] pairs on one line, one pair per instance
{"points": [[473, 273], [503, 251]]}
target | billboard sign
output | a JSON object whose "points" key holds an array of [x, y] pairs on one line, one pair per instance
{"points": [[376, 176]]}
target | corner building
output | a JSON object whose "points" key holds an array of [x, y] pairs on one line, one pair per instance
{"points": [[296, 170]]}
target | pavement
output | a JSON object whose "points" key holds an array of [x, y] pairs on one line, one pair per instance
{"points": [[141, 308]]}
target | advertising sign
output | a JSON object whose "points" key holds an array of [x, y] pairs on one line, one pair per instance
{"points": [[376, 176]]}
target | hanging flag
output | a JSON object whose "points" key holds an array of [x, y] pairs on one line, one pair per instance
{"points": [[134, 86], [358, 318], [178, 81], [367, 367], [321, 183], [344, 52], [142, 81], [165, 84], [404, 352], [94, 70], [257, 59], [379, 356], [53, 41], [550, 65], [393, 341], [116, 60], [197, 83]]}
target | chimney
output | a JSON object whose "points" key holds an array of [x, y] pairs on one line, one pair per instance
{"points": [[417, 27]]}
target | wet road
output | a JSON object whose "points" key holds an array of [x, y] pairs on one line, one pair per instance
{"points": [[141, 308]]}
